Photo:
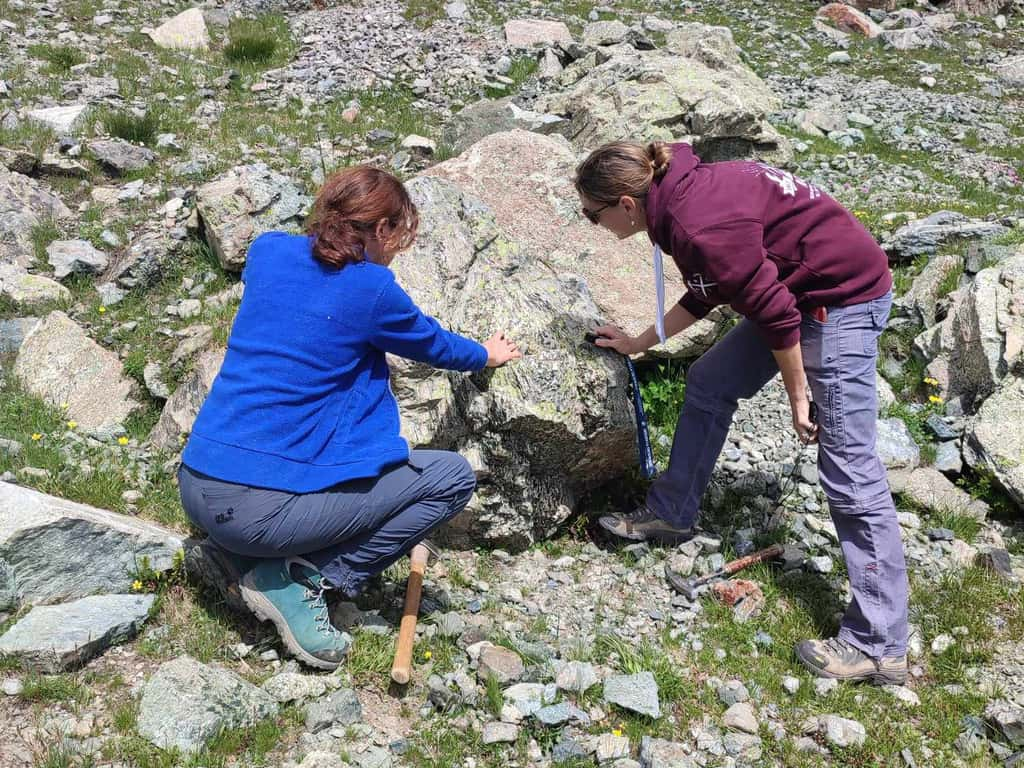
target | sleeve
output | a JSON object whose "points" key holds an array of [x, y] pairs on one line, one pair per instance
{"points": [[694, 306], [399, 327], [733, 256]]}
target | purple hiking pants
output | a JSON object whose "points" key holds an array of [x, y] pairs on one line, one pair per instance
{"points": [[839, 357]]}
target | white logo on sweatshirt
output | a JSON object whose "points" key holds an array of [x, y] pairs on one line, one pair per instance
{"points": [[787, 182], [697, 283]]}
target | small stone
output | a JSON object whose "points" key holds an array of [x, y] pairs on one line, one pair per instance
{"points": [[637, 693], [450, 624], [733, 692], [340, 708], [997, 561], [504, 665], [269, 655], [791, 685], [942, 643], [839, 57], [611, 747], [69, 257], [928, 81], [740, 717], [904, 695], [823, 686], [576, 676], [289, 686], [842, 732], [1008, 720], [821, 564], [496, 732], [11, 686], [940, 534]]}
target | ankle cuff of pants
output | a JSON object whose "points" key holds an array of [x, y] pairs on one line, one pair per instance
{"points": [[343, 579], [874, 650]]}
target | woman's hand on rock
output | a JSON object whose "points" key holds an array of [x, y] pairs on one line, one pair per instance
{"points": [[501, 349], [615, 338]]}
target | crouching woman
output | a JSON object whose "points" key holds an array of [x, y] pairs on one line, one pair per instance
{"points": [[295, 466]]}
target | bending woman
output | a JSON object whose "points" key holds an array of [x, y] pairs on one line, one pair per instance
{"points": [[295, 458], [815, 290]]}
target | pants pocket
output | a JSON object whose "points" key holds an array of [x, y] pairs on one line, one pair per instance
{"points": [[223, 502]]}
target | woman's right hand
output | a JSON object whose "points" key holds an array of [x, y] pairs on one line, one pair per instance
{"points": [[611, 337], [501, 349]]}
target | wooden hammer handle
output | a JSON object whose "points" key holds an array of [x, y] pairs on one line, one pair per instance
{"points": [[401, 669]]}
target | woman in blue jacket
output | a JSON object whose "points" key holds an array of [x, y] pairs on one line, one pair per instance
{"points": [[295, 457]]}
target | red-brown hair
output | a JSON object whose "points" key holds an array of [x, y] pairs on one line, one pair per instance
{"points": [[348, 207]]}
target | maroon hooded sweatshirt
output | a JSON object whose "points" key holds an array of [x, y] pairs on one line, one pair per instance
{"points": [[762, 241]]}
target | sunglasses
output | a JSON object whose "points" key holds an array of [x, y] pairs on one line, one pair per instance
{"points": [[595, 215]]}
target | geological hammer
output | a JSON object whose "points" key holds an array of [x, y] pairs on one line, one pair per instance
{"points": [[689, 587]]}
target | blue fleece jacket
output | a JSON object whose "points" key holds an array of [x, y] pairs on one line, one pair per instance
{"points": [[303, 399]]}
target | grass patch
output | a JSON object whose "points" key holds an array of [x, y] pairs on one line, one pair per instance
{"points": [[631, 658], [130, 126], [189, 621], [965, 527], [231, 747], [968, 598], [255, 44], [61, 58], [423, 13], [49, 689], [369, 659], [42, 234]]}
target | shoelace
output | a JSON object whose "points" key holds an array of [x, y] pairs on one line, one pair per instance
{"points": [[323, 619], [838, 647]]}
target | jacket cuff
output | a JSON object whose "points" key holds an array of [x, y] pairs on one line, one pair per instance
{"points": [[694, 306]]}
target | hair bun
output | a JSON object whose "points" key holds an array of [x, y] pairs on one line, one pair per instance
{"points": [[659, 153]]}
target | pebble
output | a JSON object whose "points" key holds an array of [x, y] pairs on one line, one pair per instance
{"points": [[791, 685], [823, 686], [12, 686], [740, 717]]}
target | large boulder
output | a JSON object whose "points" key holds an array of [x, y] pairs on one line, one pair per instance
{"points": [[995, 441], [24, 204], [527, 33], [981, 339], [1010, 71], [60, 550], [61, 364], [536, 205], [487, 116], [920, 304], [243, 202], [538, 432], [27, 291], [181, 409], [695, 89]]}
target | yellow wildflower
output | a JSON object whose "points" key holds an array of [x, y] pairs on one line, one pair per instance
{"points": [[931, 381], [427, 655], [36, 436], [72, 424], [64, 405], [617, 732], [137, 585], [102, 310], [122, 440], [934, 399]]}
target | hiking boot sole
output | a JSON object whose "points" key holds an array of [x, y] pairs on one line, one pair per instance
{"points": [[266, 611], [666, 538], [877, 677]]}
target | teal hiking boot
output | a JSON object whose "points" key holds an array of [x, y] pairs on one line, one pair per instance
{"points": [[290, 593]]}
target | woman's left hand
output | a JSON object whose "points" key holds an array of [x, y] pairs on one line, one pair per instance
{"points": [[805, 428]]}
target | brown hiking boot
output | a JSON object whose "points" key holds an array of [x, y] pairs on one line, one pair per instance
{"points": [[837, 659], [643, 525]]}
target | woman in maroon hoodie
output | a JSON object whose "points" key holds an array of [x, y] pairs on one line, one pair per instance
{"points": [[815, 291]]}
